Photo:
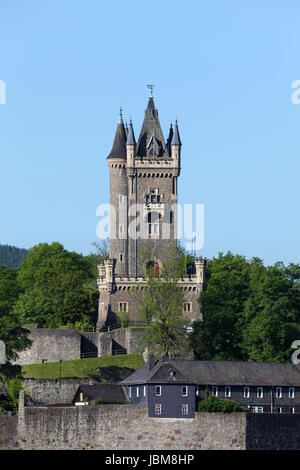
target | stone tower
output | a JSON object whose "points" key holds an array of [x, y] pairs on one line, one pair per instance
{"points": [[143, 216]]}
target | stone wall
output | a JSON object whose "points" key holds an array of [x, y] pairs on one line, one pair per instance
{"points": [[53, 344], [8, 432], [42, 392], [128, 427]]}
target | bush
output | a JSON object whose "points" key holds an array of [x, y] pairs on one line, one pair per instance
{"points": [[221, 405], [98, 401]]}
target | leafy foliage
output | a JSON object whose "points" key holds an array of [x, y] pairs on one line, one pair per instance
{"points": [[11, 331], [219, 405], [57, 287], [249, 310], [162, 308]]}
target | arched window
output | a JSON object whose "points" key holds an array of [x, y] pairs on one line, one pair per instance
{"points": [[153, 268]]}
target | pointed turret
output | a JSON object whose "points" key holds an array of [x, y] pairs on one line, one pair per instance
{"points": [[151, 140], [176, 138], [130, 136], [119, 146], [171, 132], [176, 147], [130, 146]]}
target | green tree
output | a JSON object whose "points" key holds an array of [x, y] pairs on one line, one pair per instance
{"points": [[58, 287], [162, 308], [11, 332], [249, 310], [272, 313], [219, 335]]}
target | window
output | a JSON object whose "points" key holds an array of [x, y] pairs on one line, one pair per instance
{"points": [[214, 391], [184, 391], [122, 199], [197, 390], [121, 229], [144, 390], [257, 409], [101, 307], [246, 392], [123, 307], [291, 392], [279, 409], [278, 392], [184, 409], [292, 410], [153, 267], [153, 223], [188, 307], [158, 409], [158, 390], [129, 392], [121, 257], [153, 229], [227, 391], [137, 392], [260, 392]]}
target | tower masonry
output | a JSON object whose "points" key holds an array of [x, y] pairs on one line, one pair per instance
{"points": [[143, 217]]}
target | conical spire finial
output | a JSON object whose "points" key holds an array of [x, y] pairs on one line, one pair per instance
{"points": [[130, 135], [119, 145], [151, 90], [176, 138]]}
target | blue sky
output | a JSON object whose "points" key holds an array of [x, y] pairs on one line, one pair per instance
{"points": [[224, 69]]}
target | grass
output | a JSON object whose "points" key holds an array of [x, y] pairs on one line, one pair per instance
{"points": [[112, 367]]}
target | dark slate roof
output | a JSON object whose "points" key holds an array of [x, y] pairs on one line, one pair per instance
{"points": [[151, 140], [171, 132], [119, 146], [130, 135], [162, 372], [109, 393], [222, 373], [176, 138]]}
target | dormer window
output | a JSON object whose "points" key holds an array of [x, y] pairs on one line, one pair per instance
{"points": [[184, 390]]}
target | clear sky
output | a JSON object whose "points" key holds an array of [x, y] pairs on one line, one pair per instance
{"points": [[224, 69]]}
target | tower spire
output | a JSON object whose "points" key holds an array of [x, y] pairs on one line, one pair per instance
{"points": [[119, 146]]}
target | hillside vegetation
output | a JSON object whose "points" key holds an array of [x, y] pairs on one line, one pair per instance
{"points": [[11, 256]]}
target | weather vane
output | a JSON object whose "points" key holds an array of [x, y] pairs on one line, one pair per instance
{"points": [[151, 89]]}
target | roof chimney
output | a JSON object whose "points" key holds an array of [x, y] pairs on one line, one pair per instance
{"points": [[151, 362], [165, 359]]}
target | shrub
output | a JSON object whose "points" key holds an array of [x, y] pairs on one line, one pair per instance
{"points": [[98, 401], [221, 405]]}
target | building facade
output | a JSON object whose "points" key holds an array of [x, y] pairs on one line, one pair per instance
{"points": [[143, 217], [171, 388]]}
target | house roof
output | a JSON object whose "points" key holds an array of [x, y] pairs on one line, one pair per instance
{"points": [[220, 373], [161, 372], [109, 393]]}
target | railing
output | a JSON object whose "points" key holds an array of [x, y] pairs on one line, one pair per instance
{"points": [[88, 354], [117, 326]]}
